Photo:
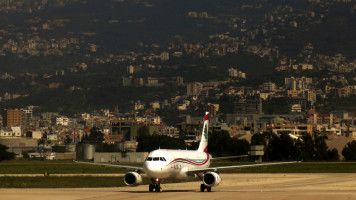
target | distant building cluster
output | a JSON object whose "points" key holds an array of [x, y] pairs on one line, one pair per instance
{"points": [[236, 73], [237, 106]]}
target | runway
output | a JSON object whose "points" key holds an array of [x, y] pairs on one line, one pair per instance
{"points": [[233, 186]]}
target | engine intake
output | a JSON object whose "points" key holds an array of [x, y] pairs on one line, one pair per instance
{"points": [[211, 179], [133, 179]]}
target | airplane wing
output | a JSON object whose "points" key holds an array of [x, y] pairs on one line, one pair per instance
{"points": [[229, 157], [111, 165], [197, 171]]}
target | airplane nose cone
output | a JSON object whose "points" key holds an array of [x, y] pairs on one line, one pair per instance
{"points": [[153, 169]]}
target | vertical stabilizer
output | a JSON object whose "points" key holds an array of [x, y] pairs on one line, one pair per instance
{"points": [[203, 146]]}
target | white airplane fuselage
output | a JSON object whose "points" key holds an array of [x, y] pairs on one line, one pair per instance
{"points": [[164, 163]]}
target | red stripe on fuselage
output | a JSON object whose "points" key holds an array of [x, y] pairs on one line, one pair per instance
{"points": [[177, 159]]}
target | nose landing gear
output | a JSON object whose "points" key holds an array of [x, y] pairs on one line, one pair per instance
{"points": [[155, 185], [203, 187]]}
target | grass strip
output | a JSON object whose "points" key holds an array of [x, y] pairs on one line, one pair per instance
{"points": [[70, 182], [60, 182], [304, 167]]}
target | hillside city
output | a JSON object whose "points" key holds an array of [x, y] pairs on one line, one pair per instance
{"points": [[289, 69]]}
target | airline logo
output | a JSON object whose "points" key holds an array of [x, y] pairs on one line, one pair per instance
{"points": [[206, 126], [206, 131]]}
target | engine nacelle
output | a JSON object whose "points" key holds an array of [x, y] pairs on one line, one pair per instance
{"points": [[133, 179], [211, 179]]}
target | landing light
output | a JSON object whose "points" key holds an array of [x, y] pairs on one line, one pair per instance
{"points": [[157, 179]]}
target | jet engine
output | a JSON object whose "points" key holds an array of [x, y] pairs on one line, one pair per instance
{"points": [[133, 179], [211, 179]]}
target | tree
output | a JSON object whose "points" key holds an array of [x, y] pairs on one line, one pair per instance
{"points": [[4, 155], [105, 147], [349, 152], [306, 147], [260, 139], [221, 144], [333, 154], [155, 141], [43, 138], [147, 142], [309, 147], [68, 140], [58, 149], [320, 147], [281, 148], [143, 131], [95, 137]]}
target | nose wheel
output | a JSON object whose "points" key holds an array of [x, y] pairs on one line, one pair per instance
{"points": [[155, 186], [203, 187]]}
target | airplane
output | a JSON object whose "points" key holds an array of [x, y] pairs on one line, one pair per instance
{"points": [[180, 164]]}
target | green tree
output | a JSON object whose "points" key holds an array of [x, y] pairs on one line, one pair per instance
{"points": [[281, 148], [68, 140], [193, 146], [155, 141], [43, 138], [143, 131], [309, 147], [349, 151], [105, 147], [333, 154], [221, 144], [261, 139], [4, 155], [58, 149], [320, 147], [95, 137]]}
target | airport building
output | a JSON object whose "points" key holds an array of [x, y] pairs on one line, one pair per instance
{"points": [[19, 145], [115, 157]]}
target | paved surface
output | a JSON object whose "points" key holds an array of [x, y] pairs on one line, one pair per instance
{"points": [[61, 175], [234, 186]]}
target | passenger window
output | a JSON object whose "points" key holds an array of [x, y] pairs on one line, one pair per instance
{"points": [[156, 159]]}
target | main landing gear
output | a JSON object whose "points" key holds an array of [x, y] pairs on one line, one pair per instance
{"points": [[155, 185], [203, 187]]}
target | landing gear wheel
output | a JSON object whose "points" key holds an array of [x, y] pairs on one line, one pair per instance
{"points": [[208, 189], [158, 188], [202, 188], [150, 187], [155, 185]]}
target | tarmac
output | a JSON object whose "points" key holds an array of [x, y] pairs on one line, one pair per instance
{"points": [[233, 186]]}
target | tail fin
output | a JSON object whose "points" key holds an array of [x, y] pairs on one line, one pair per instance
{"points": [[203, 146]]}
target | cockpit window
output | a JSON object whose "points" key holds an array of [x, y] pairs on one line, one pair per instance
{"points": [[156, 159]]}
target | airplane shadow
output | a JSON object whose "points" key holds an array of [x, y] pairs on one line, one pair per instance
{"points": [[165, 191]]}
